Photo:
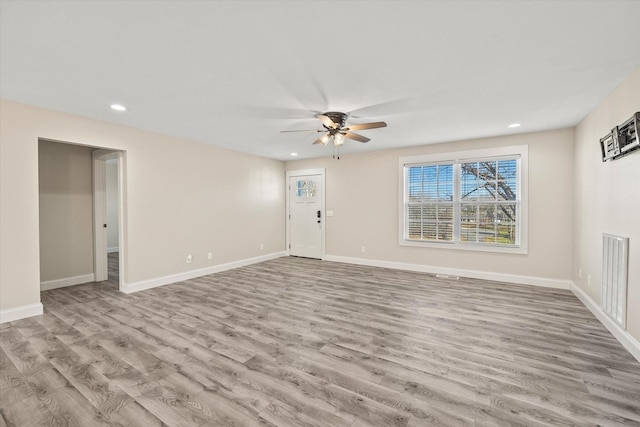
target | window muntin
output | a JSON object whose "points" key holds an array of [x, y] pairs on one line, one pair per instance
{"points": [[473, 202]]}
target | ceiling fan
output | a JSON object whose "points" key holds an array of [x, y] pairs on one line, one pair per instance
{"points": [[336, 128]]}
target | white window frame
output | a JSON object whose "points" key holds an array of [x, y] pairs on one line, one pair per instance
{"points": [[522, 151]]}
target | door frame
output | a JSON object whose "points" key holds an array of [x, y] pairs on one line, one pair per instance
{"points": [[305, 172], [99, 160]]}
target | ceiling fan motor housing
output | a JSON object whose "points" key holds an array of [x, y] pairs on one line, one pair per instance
{"points": [[338, 118]]}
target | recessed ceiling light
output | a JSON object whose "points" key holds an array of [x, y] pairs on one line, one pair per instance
{"points": [[294, 154], [514, 125], [118, 107]]}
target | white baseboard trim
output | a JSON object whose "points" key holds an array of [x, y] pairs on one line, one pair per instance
{"points": [[167, 280], [67, 281], [17, 313], [475, 274], [624, 337], [113, 249]]}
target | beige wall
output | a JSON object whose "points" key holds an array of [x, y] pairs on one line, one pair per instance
{"points": [[112, 203], [66, 211], [183, 198], [362, 190], [607, 197]]}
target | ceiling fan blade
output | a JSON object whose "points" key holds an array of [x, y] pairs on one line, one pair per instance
{"points": [[363, 126], [355, 136], [302, 130], [327, 121]]}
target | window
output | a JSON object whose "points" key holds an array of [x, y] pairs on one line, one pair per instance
{"points": [[305, 188], [430, 202], [473, 200]]}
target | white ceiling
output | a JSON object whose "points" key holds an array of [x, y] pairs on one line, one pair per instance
{"points": [[234, 74]]}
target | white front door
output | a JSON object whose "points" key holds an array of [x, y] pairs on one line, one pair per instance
{"points": [[306, 216]]}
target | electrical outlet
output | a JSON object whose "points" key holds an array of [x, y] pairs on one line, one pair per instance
{"points": [[261, 246], [363, 249], [209, 255], [579, 273], [189, 259]]}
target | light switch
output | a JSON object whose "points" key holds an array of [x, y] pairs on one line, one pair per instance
{"points": [[329, 213]]}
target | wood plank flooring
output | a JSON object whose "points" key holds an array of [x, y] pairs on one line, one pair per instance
{"points": [[113, 272], [300, 342]]}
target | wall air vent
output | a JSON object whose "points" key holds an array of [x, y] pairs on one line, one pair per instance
{"points": [[615, 261], [622, 140]]}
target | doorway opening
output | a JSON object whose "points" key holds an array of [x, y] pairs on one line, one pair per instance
{"points": [[108, 220], [113, 222], [72, 180]]}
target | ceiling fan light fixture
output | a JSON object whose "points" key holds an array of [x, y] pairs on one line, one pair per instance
{"points": [[338, 139], [325, 138]]}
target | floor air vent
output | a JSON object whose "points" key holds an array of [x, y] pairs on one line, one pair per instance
{"points": [[615, 258], [446, 276]]}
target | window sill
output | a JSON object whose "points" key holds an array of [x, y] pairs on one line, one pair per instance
{"points": [[474, 247]]}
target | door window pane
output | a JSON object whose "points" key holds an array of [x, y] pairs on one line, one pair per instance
{"points": [[305, 188]]}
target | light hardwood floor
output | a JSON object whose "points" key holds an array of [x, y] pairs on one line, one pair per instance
{"points": [[113, 272], [297, 342]]}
